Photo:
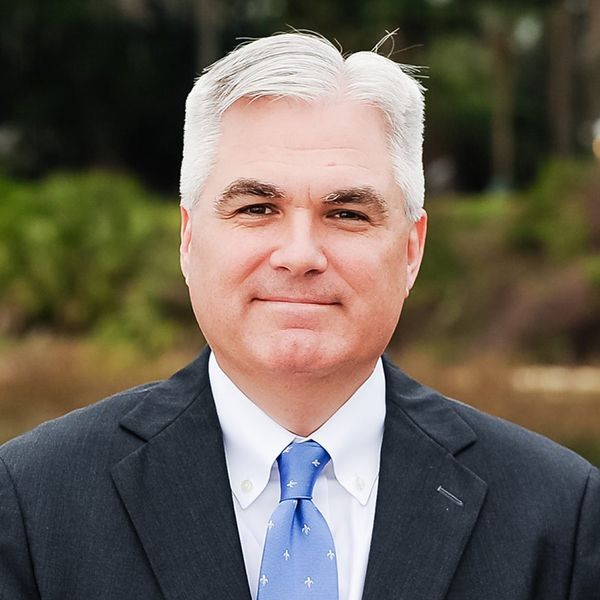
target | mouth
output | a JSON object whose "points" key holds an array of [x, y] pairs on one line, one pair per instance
{"points": [[297, 300]]}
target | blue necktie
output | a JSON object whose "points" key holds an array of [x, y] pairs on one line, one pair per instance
{"points": [[299, 555]]}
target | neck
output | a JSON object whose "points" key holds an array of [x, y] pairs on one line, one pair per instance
{"points": [[299, 402]]}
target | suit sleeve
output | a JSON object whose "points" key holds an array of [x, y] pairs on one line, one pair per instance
{"points": [[16, 572], [585, 583]]}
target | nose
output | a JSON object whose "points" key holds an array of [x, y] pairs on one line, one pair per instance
{"points": [[299, 250]]}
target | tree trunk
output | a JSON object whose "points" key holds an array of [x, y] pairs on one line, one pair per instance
{"points": [[498, 29], [209, 19], [592, 62], [561, 30]]}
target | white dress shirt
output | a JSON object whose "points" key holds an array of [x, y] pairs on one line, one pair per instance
{"points": [[345, 491]]}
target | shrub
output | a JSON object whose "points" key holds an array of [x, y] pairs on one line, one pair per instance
{"points": [[553, 221], [79, 250]]}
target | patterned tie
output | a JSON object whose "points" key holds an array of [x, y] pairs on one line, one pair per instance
{"points": [[299, 556]]}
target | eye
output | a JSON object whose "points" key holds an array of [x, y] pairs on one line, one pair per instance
{"points": [[257, 210], [349, 215]]}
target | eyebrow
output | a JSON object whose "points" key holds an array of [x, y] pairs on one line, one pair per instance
{"points": [[364, 196], [246, 187]]}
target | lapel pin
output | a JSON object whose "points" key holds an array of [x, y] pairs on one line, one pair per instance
{"points": [[444, 492]]}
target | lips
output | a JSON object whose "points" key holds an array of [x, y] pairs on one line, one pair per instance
{"points": [[297, 300]]}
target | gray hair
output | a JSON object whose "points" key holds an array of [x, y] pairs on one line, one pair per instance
{"points": [[307, 67]]}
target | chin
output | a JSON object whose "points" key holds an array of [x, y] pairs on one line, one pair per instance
{"points": [[301, 351]]}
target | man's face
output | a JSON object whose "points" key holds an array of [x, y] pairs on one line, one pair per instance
{"points": [[299, 255]]}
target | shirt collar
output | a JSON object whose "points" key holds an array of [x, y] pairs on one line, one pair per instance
{"points": [[253, 441]]}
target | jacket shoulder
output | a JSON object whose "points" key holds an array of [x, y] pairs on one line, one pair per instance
{"points": [[522, 449], [83, 432], [491, 446], [101, 432]]}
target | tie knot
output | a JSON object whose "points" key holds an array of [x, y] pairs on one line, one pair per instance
{"points": [[299, 465]]}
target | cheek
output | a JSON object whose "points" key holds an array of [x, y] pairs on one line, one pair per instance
{"points": [[220, 264], [374, 269]]}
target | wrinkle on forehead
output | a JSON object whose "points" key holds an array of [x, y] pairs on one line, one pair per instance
{"points": [[312, 158]]}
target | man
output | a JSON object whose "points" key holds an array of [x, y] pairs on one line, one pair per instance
{"points": [[302, 235]]}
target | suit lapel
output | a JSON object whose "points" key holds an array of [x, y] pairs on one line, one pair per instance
{"points": [[176, 490], [427, 503]]}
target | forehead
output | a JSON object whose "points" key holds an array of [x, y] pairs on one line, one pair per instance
{"points": [[329, 142], [276, 114]]}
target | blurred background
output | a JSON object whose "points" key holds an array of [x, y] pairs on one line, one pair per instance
{"points": [[506, 312]]}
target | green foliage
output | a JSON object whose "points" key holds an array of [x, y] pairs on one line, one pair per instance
{"points": [[513, 274], [81, 252], [451, 302], [458, 105], [591, 265], [553, 220], [459, 70]]}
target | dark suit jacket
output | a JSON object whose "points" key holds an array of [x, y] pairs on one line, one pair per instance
{"points": [[130, 499]]}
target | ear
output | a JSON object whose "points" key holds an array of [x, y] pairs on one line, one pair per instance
{"points": [[186, 241], [414, 250]]}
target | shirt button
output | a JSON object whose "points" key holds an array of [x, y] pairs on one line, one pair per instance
{"points": [[246, 486], [359, 483]]}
